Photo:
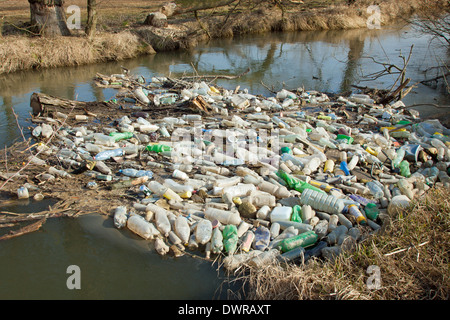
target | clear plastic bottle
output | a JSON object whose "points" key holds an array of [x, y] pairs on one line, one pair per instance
{"points": [[107, 154], [22, 193], [177, 187], [398, 157], [375, 189], [203, 231], [216, 241], [322, 201], [141, 227], [182, 229], [311, 166], [130, 172], [354, 211], [223, 216]]}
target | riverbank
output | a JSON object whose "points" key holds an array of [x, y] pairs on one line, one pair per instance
{"points": [[125, 36], [409, 255]]}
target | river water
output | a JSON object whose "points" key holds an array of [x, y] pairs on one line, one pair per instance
{"points": [[117, 265]]}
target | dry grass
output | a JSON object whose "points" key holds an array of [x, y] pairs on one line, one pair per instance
{"points": [[122, 35], [411, 252], [22, 53]]}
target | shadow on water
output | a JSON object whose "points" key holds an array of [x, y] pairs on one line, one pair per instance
{"points": [[116, 264]]}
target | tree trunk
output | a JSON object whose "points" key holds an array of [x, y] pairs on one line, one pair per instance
{"points": [[92, 18], [48, 17]]}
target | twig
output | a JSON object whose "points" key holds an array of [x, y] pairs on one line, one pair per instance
{"points": [[404, 249], [31, 158]]}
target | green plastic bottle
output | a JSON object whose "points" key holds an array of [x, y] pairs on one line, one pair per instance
{"points": [[158, 148], [121, 135], [296, 213], [296, 184], [230, 238], [404, 169], [305, 239], [371, 211]]}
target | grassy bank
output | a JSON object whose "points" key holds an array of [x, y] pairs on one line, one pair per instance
{"points": [[411, 252], [121, 34]]}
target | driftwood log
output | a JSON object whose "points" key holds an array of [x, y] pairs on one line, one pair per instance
{"points": [[27, 229], [39, 102]]}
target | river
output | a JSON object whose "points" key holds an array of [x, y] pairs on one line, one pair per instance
{"points": [[113, 263]]}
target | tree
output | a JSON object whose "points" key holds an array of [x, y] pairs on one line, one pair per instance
{"points": [[92, 18], [48, 17]]}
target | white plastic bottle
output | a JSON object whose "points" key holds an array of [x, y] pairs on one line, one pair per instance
{"points": [[223, 216], [162, 223], [177, 187], [180, 175]]}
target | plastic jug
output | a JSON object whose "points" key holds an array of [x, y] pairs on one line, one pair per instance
{"points": [[120, 217], [262, 238], [281, 214]]}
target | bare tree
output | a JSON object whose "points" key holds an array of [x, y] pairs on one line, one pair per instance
{"points": [[48, 17], [91, 25]]}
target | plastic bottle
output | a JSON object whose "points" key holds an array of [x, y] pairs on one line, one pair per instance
{"points": [[216, 241], [353, 162], [404, 169], [354, 211], [311, 166], [296, 213], [182, 229], [107, 154], [230, 238], [344, 167], [371, 211], [203, 231], [247, 240], [162, 223], [120, 217], [264, 259], [406, 188], [141, 227], [160, 247], [223, 216], [162, 191], [121, 135], [262, 238], [307, 213], [398, 157], [130, 172], [296, 184], [304, 240], [177, 187], [375, 189], [322, 201], [180, 175], [328, 166], [61, 173], [158, 148]]}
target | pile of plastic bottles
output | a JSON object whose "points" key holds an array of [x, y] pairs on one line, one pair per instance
{"points": [[285, 177]]}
